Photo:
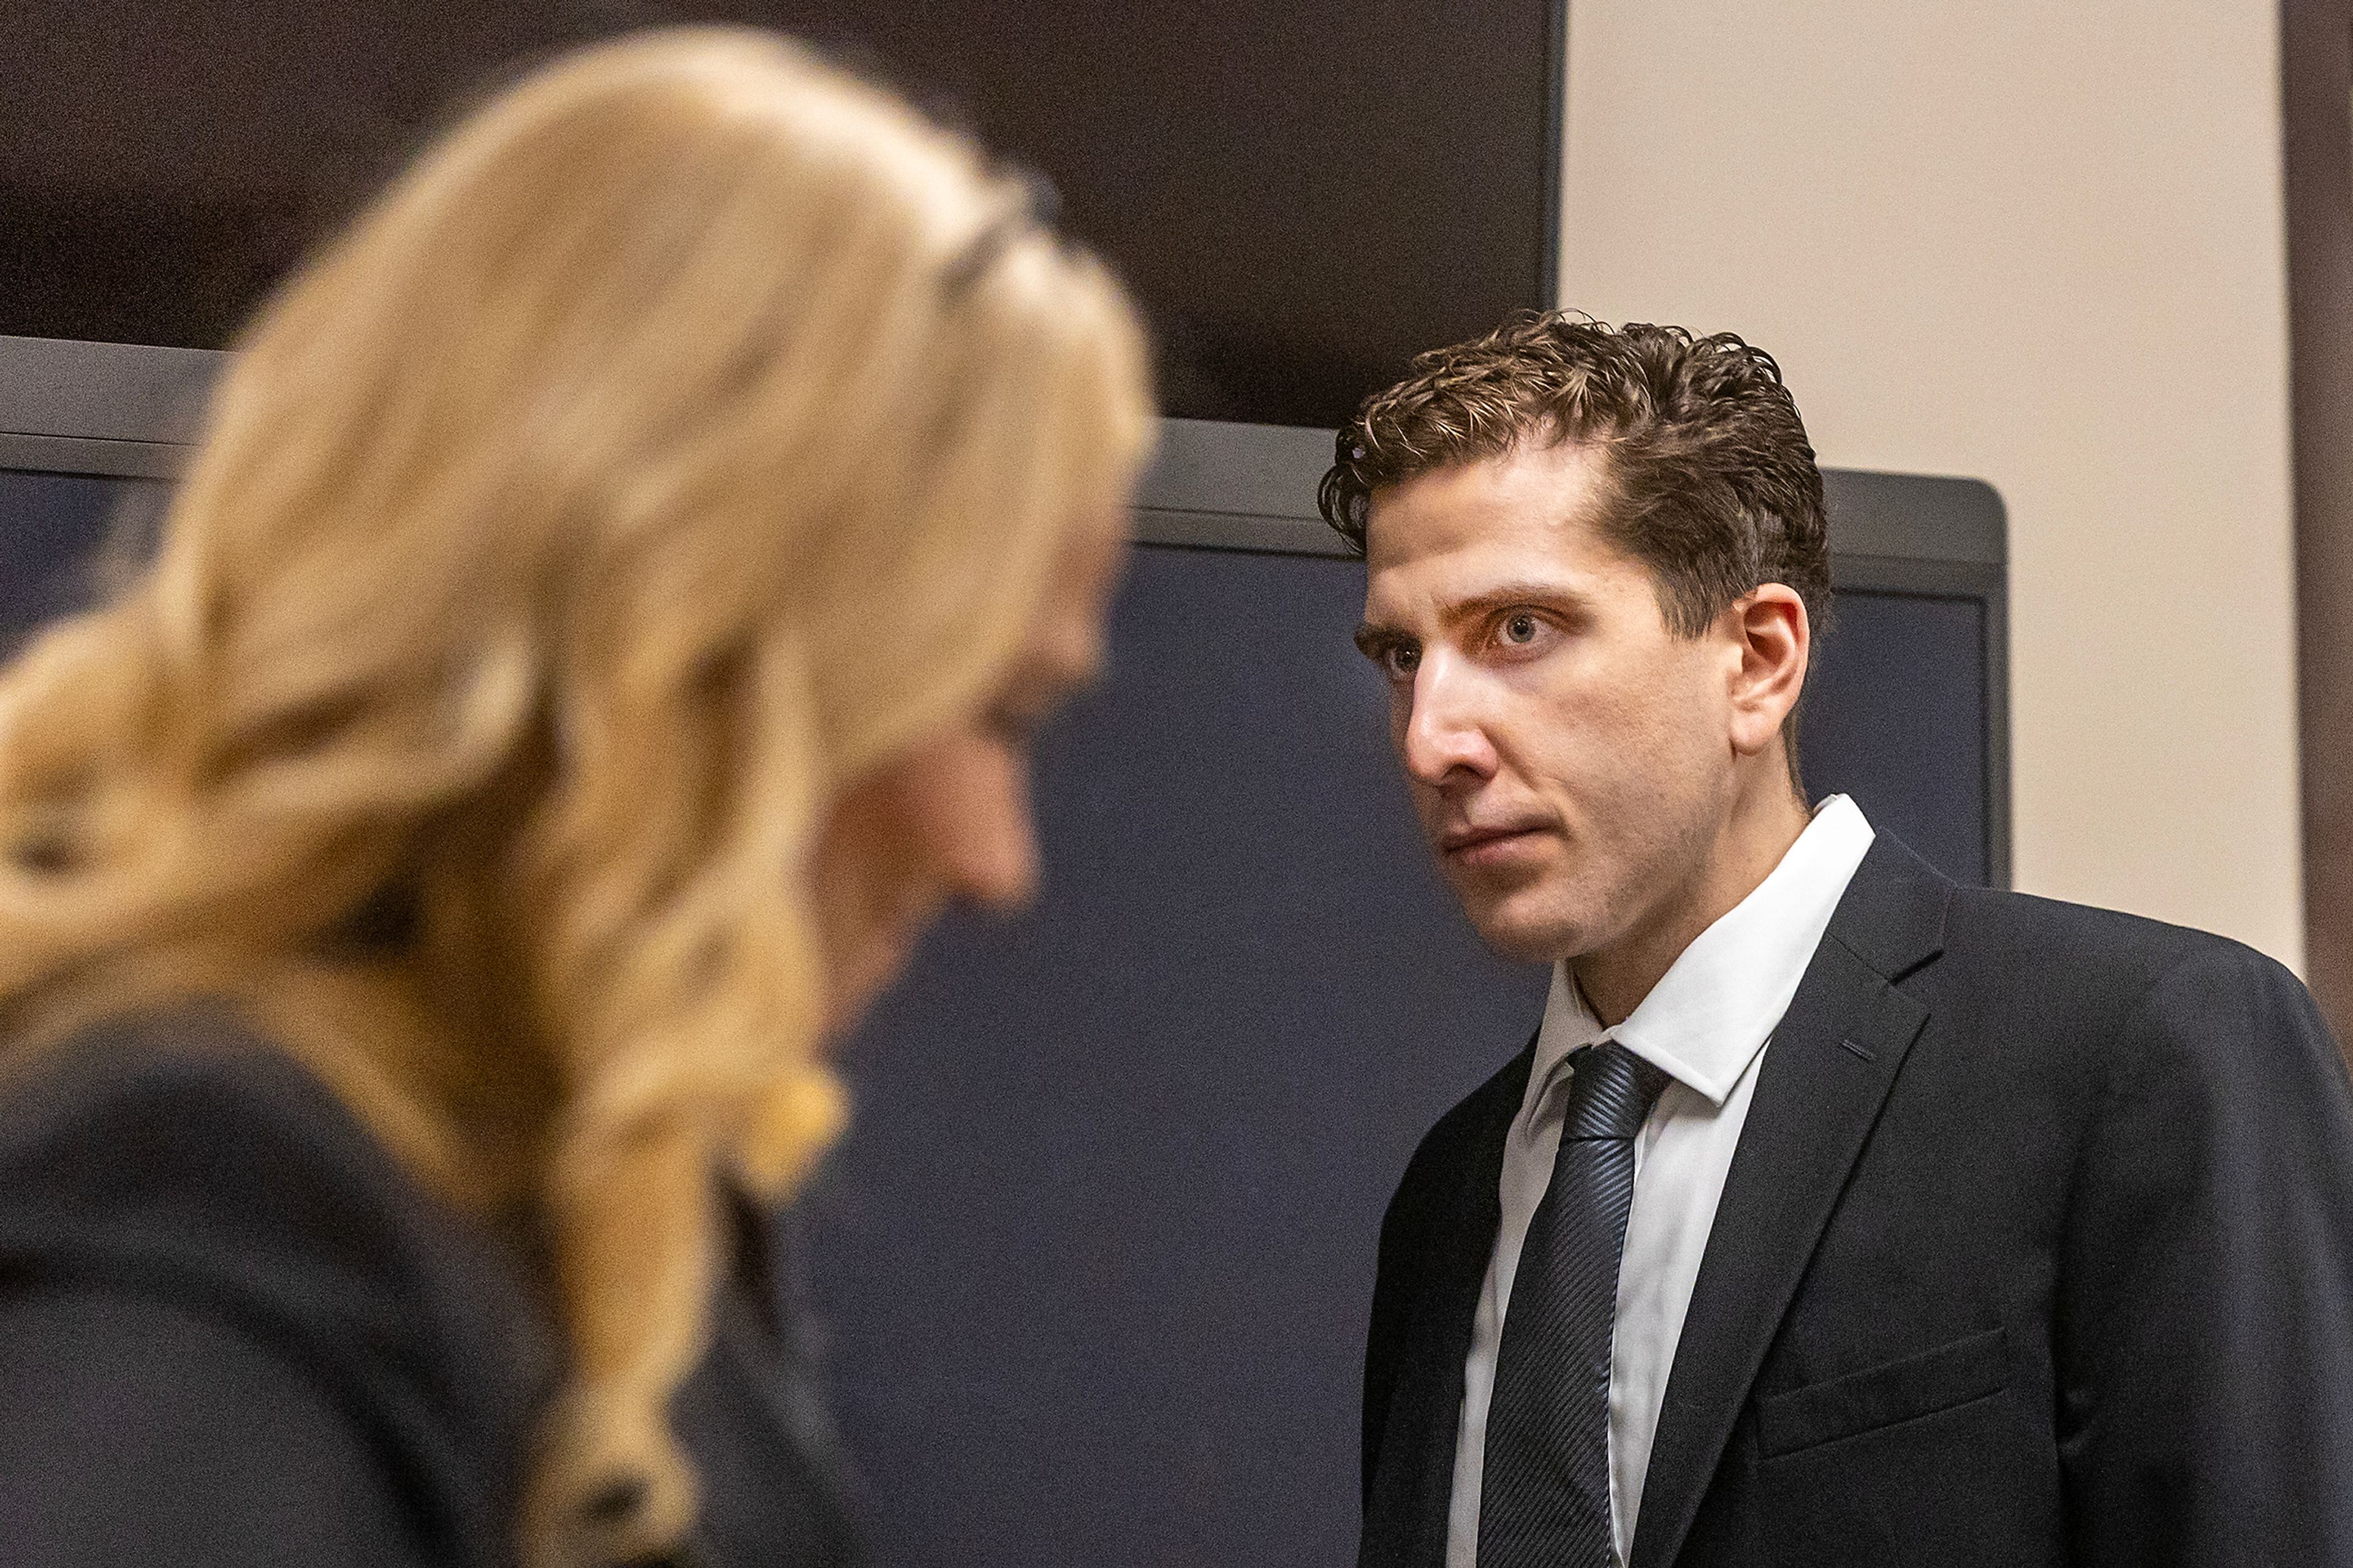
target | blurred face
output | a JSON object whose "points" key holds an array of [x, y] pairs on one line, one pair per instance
{"points": [[948, 821], [1572, 761]]}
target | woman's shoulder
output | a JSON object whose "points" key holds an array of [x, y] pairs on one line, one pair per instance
{"points": [[177, 1171], [180, 1143], [173, 1117]]}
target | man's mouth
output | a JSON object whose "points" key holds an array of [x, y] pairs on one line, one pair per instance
{"points": [[1486, 845]]}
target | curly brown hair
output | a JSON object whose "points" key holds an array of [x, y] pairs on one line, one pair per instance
{"points": [[1714, 487]]}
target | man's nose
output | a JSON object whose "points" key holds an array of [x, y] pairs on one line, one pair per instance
{"points": [[1443, 741]]}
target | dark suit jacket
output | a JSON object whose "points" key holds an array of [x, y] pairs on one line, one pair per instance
{"points": [[2037, 1248], [233, 1333]]}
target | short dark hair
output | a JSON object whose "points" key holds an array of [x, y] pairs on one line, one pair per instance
{"points": [[1713, 483]]}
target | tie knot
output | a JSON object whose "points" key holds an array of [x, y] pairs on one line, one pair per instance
{"points": [[1611, 1092]]}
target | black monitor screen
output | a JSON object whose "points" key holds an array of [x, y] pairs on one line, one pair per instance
{"points": [[1302, 195], [58, 539], [1097, 1252]]}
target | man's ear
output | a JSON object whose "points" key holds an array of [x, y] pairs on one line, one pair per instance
{"points": [[1774, 640]]}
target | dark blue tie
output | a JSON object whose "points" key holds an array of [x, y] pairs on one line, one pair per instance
{"points": [[1543, 1500]]}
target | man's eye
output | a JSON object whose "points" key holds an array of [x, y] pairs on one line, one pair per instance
{"points": [[1402, 661], [1520, 628]]}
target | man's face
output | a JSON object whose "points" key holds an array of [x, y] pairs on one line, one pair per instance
{"points": [[1570, 757]]}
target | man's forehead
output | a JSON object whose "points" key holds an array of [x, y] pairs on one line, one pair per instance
{"points": [[1453, 533], [1541, 498]]}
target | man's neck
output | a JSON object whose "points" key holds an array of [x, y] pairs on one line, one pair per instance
{"points": [[1751, 842]]}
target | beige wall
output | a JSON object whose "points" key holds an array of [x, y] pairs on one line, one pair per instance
{"points": [[2040, 244]]}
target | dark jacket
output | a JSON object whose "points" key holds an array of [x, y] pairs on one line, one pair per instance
{"points": [[2037, 1249], [234, 1331]]}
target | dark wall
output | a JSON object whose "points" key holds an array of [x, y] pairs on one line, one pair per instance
{"points": [[1302, 195]]}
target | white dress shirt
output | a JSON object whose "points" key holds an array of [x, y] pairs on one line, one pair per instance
{"points": [[1704, 1024]]}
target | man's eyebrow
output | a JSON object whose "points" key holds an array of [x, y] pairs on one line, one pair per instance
{"points": [[1506, 596], [1374, 639]]}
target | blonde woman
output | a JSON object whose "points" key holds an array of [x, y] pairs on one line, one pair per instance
{"points": [[599, 629]]}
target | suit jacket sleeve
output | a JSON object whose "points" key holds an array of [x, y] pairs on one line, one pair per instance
{"points": [[1385, 1340], [1443, 1208], [2205, 1333]]}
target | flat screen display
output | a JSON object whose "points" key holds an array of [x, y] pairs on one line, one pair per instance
{"points": [[1096, 1255], [1302, 195]]}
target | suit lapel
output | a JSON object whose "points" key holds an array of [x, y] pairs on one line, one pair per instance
{"points": [[1832, 1059], [1414, 1485]]}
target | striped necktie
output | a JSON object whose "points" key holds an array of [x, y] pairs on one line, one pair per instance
{"points": [[1543, 1501]]}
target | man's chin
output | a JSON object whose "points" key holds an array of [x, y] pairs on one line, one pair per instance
{"points": [[1528, 938]]}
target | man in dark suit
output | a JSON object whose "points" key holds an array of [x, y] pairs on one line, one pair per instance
{"points": [[1836, 1214]]}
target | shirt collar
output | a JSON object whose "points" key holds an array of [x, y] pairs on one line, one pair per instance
{"points": [[1712, 1011]]}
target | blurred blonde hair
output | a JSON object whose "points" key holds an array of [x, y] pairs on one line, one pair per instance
{"points": [[689, 432]]}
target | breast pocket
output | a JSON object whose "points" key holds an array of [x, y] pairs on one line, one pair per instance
{"points": [[1933, 1461], [1935, 1380]]}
